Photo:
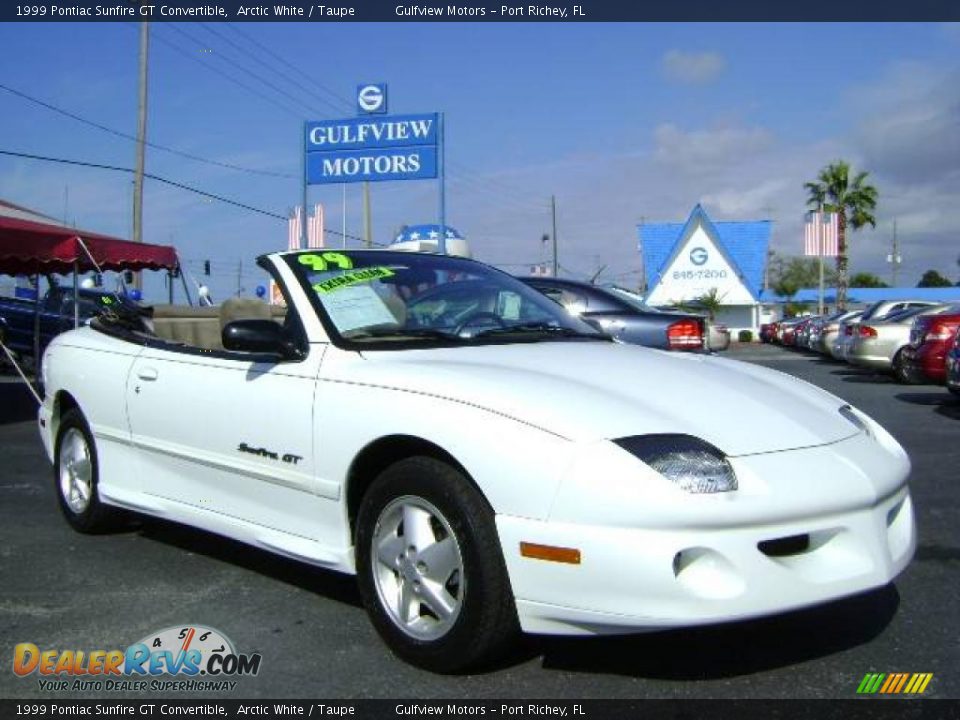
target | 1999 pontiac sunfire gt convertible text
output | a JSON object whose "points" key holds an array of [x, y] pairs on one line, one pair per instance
{"points": [[483, 461]]}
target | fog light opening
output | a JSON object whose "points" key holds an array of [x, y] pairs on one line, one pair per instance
{"points": [[785, 546]]}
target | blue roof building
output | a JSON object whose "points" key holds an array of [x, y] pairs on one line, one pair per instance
{"points": [[684, 261]]}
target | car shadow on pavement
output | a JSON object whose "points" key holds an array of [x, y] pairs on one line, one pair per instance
{"points": [[847, 370], [333, 585], [732, 649], [870, 378], [945, 402]]}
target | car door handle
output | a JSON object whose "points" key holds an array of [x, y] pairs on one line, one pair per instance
{"points": [[148, 374]]}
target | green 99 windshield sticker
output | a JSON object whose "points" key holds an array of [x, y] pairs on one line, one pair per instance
{"points": [[351, 278], [321, 261]]}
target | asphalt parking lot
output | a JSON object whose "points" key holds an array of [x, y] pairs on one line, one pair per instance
{"points": [[59, 589]]}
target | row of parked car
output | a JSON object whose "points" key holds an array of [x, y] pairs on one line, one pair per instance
{"points": [[914, 340]]}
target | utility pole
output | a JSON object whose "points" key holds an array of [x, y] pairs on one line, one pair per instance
{"points": [[894, 258], [367, 227], [642, 284], [553, 213], [239, 277], [141, 143]]}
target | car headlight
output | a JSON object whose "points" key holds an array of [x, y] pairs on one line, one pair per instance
{"points": [[690, 463]]}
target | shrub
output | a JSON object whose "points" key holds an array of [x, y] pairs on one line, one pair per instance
{"points": [[745, 336]]}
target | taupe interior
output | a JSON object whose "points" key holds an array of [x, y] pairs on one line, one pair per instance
{"points": [[201, 326]]}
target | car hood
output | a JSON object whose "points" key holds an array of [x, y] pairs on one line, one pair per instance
{"points": [[593, 390]]}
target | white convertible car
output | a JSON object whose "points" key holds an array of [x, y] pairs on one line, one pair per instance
{"points": [[483, 461]]}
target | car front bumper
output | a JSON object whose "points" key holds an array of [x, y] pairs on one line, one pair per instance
{"points": [[633, 580], [805, 526]]}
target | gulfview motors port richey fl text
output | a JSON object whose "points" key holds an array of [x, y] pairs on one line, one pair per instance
{"points": [[533, 11]]}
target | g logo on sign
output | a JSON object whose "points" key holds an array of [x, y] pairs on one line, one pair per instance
{"points": [[698, 256], [372, 99]]}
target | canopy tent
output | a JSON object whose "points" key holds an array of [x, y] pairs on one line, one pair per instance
{"points": [[32, 243]]}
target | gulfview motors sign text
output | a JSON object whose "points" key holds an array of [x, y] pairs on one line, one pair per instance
{"points": [[399, 147]]}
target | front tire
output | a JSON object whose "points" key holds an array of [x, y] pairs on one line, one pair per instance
{"points": [[76, 474], [430, 570]]}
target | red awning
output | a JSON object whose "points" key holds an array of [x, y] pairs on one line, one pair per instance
{"points": [[28, 247]]}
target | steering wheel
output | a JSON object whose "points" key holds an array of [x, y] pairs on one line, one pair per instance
{"points": [[473, 317]]}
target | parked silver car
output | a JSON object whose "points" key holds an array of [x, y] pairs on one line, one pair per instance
{"points": [[878, 311], [878, 344]]}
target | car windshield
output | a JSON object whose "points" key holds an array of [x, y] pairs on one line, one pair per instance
{"points": [[388, 299], [631, 299]]}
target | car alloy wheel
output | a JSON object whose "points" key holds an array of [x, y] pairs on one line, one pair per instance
{"points": [[419, 568], [75, 471]]}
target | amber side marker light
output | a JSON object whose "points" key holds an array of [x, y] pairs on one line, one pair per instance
{"points": [[550, 553]]}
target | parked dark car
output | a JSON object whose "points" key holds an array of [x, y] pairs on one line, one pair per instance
{"points": [[17, 316], [931, 337], [626, 319]]}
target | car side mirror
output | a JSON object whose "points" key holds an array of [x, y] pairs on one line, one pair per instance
{"points": [[258, 336]]}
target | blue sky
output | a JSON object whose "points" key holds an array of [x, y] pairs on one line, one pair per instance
{"points": [[621, 122]]}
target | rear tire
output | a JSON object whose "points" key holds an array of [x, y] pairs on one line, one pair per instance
{"points": [[76, 476], [430, 569], [899, 369]]}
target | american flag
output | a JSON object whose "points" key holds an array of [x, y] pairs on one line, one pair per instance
{"points": [[315, 228], [820, 231], [293, 229]]}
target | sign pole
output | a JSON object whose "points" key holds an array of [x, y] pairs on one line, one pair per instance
{"points": [[820, 235], [303, 165], [442, 172]]}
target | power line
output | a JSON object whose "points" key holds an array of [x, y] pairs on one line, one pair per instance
{"points": [[218, 71], [338, 98], [285, 76], [157, 178], [172, 183], [127, 136], [242, 69]]}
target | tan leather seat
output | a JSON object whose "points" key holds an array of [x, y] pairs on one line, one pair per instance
{"points": [[198, 326], [239, 308], [202, 326]]}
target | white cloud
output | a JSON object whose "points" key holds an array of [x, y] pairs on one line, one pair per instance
{"points": [[694, 68], [690, 151]]}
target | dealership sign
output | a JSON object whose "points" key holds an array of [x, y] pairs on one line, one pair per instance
{"points": [[697, 268], [391, 147], [372, 99]]}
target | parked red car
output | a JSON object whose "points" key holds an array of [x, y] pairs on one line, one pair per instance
{"points": [[953, 367], [925, 358], [768, 332]]}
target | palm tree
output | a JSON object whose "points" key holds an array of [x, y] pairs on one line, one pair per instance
{"points": [[710, 302], [853, 202]]}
